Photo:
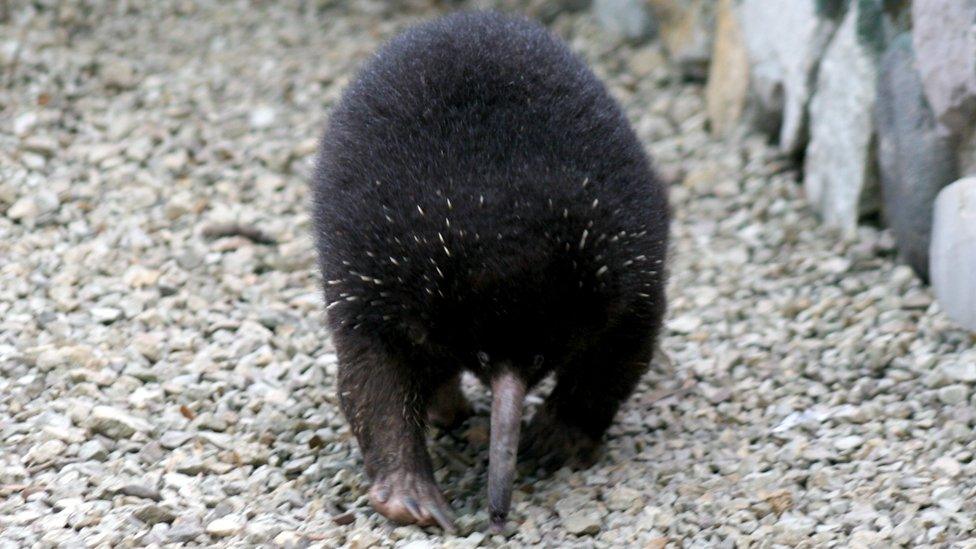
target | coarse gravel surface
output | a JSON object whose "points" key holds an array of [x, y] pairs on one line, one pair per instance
{"points": [[164, 380]]}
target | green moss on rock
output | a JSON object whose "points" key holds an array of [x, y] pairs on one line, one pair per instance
{"points": [[831, 9], [870, 24]]}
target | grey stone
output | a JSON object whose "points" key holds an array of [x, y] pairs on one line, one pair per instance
{"points": [[42, 144], [839, 170], [953, 394], [785, 45], [622, 498], [848, 443], [140, 277], [45, 452], [792, 530], [8, 193], [31, 207], [685, 324], [627, 19], [262, 117], [149, 345], [418, 544], [115, 423], [225, 526], [953, 252], [960, 371], [174, 439], [362, 540], [143, 491], [93, 450], [947, 497], [106, 315], [154, 513], [945, 45], [191, 465], [24, 123], [580, 516], [947, 466], [916, 161], [184, 530], [190, 259], [288, 538]]}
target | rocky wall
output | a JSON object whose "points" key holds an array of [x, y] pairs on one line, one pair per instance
{"points": [[875, 100]]}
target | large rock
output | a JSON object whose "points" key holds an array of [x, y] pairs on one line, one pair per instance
{"points": [[545, 10], [916, 161], [839, 172], [967, 155], [728, 77], [944, 35], [686, 33], [953, 252], [627, 19], [785, 41]]}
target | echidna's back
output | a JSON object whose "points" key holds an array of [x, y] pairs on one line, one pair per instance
{"points": [[477, 180]]}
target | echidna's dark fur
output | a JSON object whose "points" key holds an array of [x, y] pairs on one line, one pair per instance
{"points": [[481, 202]]}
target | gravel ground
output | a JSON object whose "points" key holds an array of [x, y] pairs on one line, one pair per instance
{"points": [[164, 382]]}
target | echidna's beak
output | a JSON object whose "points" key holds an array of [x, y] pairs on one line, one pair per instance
{"points": [[508, 397]]}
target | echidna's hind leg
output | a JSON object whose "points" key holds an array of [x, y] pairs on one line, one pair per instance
{"points": [[386, 406], [568, 428]]}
